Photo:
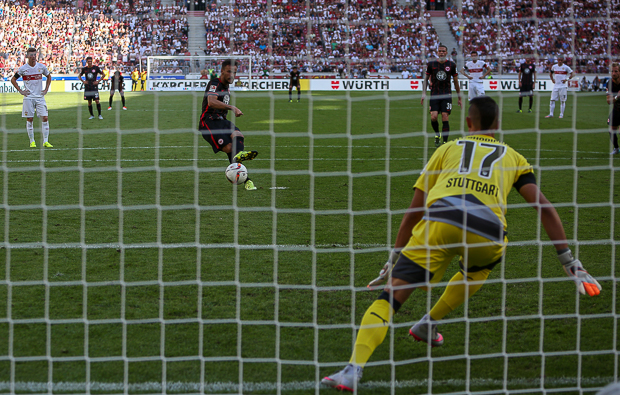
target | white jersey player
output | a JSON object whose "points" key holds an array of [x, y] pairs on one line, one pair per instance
{"points": [[475, 70], [560, 73], [34, 96]]}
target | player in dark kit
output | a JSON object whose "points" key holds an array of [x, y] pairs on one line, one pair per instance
{"points": [[613, 98], [116, 84], [527, 81], [294, 83], [222, 134], [439, 71], [91, 85]]}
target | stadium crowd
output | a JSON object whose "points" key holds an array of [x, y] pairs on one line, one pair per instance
{"points": [[112, 33], [278, 37], [508, 30]]}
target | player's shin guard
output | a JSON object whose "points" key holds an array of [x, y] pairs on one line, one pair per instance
{"points": [[457, 291], [30, 130], [614, 138], [99, 108], [551, 107], [372, 331], [90, 110], [445, 130], [45, 126], [435, 125]]}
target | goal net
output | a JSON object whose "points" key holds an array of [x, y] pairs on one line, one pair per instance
{"points": [[131, 265]]}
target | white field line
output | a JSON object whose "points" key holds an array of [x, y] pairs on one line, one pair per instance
{"points": [[209, 387]]}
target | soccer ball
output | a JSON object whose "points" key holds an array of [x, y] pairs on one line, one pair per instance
{"points": [[236, 173]]}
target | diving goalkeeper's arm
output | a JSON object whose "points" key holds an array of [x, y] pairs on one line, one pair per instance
{"points": [[586, 284], [412, 216]]}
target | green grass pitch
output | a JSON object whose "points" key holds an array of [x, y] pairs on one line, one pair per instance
{"points": [[121, 267]]}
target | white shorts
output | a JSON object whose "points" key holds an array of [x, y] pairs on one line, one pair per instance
{"points": [[476, 89], [32, 104], [559, 94]]}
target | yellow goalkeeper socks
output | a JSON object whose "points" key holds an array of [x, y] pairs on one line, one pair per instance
{"points": [[455, 293], [372, 332]]}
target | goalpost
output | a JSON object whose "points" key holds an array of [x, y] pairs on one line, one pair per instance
{"points": [[192, 67], [131, 265]]}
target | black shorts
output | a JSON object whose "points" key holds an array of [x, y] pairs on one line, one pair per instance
{"points": [[217, 132], [526, 90], [91, 93], [441, 105], [292, 85], [614, 118]]}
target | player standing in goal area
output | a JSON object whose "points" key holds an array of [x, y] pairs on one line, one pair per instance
{"points": [[91, 85], [439, 71], [476, 71], [613, 98], [117, 83], [559, 74], [34, 98], [527, 81], [458, 209], [294, 82], [222, 134]]}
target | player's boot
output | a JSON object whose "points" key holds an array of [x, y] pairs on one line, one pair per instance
{"points": [[616, 151], [100, 117], [290, 100], [561, 116], [124, 108], [244, 155], [109, 108], [529, 111], [346, 379], [91, 117], [549, 116], [47, 145], [437, 142], [420, 332], [249, 185], [519, 111], [34, 145]]}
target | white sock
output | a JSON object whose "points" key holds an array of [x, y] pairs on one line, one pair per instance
{"points": [[562, 107], [30, 130], [46, 130], [551, 107]]}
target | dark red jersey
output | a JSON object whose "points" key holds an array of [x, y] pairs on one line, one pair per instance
{"points": [[440, 75], [217, 88]]}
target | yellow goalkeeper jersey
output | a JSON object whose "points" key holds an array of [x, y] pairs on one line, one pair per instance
{"points": [[467, 182]]}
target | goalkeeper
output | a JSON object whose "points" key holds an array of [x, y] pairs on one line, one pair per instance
{"points": [[458, 208]]}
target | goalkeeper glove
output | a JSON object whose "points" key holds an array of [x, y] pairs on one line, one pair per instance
{"points": [[584, 281], [384, 274]]}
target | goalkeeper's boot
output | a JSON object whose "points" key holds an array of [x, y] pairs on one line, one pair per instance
{"points": [[616, 151], [249, 185], [425, 331], [34, 145], [47, 145], [244, 155], [345, 380], [519, 111], [437, 141]]}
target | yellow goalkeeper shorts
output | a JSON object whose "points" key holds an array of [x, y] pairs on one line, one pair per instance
{"points": [[432, 247]]}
